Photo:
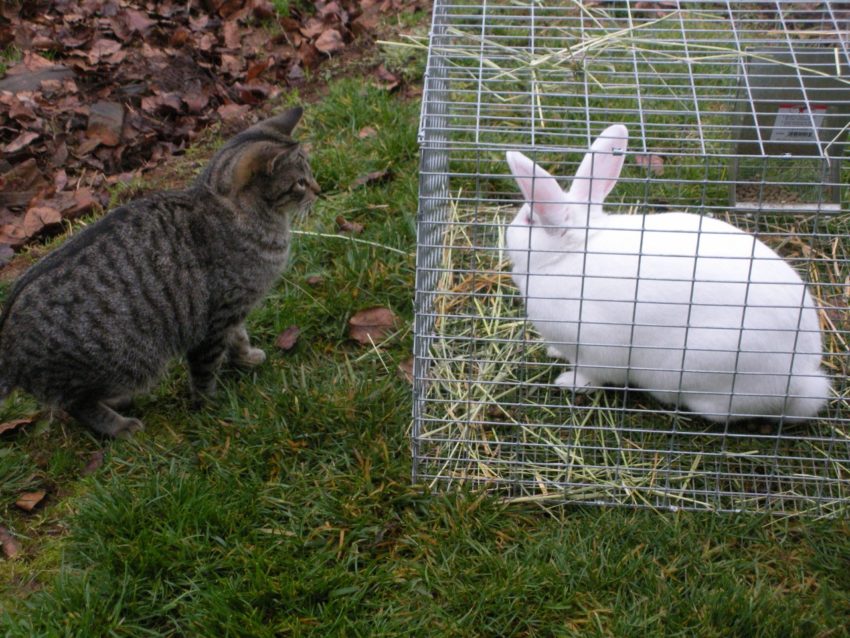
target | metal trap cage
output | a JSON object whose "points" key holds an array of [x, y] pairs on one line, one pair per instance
{"points": [[737, 111]]}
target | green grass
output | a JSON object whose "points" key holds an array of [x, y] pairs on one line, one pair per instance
{"points": [[9, 57], [284, 507], [281, 7]]}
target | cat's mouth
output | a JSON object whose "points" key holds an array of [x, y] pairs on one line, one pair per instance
{"points": [[314, 187], [304, 208]]}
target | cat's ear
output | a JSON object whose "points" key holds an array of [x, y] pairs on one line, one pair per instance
{"points": [[255, 159], [284, 123]]}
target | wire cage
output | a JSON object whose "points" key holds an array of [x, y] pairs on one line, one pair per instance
{"points": [[736, 111]]}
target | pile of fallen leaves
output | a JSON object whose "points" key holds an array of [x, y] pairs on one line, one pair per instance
{"points": [[107, 89]]}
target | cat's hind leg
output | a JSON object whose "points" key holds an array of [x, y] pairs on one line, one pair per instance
{"points": [[119, 402], [103, 419], [239, 350]]}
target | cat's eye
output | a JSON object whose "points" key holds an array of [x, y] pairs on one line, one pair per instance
{"points": [[301, 184]]}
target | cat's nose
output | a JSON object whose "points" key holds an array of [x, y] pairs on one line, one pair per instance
{"points": [[314, 186]]}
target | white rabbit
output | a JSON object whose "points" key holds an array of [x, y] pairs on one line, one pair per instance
{"points": [[691, 309]]}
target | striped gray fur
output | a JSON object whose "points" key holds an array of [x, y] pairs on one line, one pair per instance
{"points": [[173, 274]]}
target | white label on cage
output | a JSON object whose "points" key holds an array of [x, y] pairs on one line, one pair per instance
{"points": [[794, 123]]}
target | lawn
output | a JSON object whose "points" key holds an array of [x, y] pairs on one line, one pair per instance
{"points": [[285, 506]]}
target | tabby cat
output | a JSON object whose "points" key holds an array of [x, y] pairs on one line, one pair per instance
{"points": [[97, 320]]}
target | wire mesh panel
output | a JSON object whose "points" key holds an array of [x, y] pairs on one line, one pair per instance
{"points": [[685, 348]]}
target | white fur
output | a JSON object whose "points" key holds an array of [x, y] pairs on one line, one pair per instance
{"points": [[693, 310]]}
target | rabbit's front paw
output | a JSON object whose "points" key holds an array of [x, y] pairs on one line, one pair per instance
{"points": [[553, 352], [574, 380]]}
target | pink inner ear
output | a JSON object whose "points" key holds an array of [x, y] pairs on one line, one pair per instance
{"points": [[539, 188], [600, 169]]}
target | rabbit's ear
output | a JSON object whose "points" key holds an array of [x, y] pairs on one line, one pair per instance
{"points": [[539, 188], [600, 168]]}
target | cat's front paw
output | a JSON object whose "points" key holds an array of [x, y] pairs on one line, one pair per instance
{"points": [[128, 428], [574, 380], [552, 351], [202, 393], [248, 358]]}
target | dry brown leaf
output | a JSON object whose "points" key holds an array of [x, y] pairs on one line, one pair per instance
{"points": [[39, 217], [386, 79], [289, 24], [29, 500], [102, 48], [264, 10], [405, 368], [287, 339], [11, 547], [295, 74], [232, 64], [14, 424], [179, 37], [12, 235], [372, 325], [21, 107], [657, 6], [331, 9], [162, 103], [199, 23], [232, 35], [31, 62], [312, 28], [375, 177], [94, 462], [314, 280], [60, 179], [255, 70], [412, 91], [23, 140], [366, 131], [345, 226], [19, 185], [654, 163], [83, 200], [255, 92], [196, 101], [137, 22], [366, 21], [231, 9], [230, 112], [330, 42], [106, 121], [309, 56]]}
